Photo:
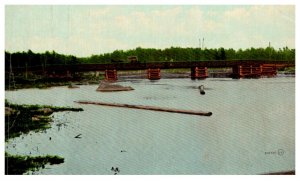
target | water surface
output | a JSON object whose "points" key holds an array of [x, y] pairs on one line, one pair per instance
{"points": [[252, 120]]}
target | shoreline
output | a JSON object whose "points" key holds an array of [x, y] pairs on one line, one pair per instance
{"points": [[123, 76], [23, 119]]}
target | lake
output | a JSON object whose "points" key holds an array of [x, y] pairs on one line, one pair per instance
{"points": [[251, 130]]}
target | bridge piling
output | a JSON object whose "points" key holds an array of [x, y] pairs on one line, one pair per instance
{"points": [[269, 70], [111, 75], [153, 73], [199, 72], [253, 70]]}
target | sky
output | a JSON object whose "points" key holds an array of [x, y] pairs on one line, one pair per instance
{"points": [[89, 30]]}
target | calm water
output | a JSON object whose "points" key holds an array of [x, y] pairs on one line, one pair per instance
{"points": [[252, 120]]}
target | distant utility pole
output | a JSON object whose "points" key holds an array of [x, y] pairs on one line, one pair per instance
{"points": [[203, 43], [11, 79], [269, 50], [199, 43]]}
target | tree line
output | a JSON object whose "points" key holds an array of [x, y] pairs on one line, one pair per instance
{"points": [[144, 55]]}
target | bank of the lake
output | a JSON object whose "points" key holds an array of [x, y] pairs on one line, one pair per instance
{"points": [[35, 81], [18, 165], [22, 119]]}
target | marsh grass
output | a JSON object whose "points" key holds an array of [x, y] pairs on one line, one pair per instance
{"points": [[26, 118], [21, 119], [17, 165]]}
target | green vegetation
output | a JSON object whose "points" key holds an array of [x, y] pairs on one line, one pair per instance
{"points": [[23, 59], [181, 70], [24, 118], [37, 81], [29, 58], [21, 119], [17, 165], [179, 54], [22, 83], [288, 70]]}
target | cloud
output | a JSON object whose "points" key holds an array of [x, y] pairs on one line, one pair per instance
{"points": [[86, 30], [255, 26], [238, 13], [170, 12]]}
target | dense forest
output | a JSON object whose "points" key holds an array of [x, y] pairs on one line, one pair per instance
{"points": [[29, 58]]}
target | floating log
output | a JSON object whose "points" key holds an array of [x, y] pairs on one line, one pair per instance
{"points": [[152, 108]]}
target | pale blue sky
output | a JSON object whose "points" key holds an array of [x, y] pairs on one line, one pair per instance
{"points": [[87, 30]]}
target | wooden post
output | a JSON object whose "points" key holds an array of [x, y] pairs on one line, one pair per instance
{"points": [[196, 72], [206, 72], [26, 73], [148, 73], [240, 71]]}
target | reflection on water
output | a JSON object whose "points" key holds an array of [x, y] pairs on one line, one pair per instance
{"points": [[252, 119]]}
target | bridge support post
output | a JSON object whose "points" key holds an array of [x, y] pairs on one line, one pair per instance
{"points": [[237, 71], [269, 70], [111, 75], [199, 72], [153, 73], [247, 71], [68, 73]]}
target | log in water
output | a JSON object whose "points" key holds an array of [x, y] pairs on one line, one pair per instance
{"points": [[201, 88], [152, 108]]}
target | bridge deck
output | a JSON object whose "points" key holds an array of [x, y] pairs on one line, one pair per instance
{"points": [[161, 65]]}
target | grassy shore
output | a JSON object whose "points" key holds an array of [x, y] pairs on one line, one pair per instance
{"points": [[22, 119], [17, 165], [35, 81]]}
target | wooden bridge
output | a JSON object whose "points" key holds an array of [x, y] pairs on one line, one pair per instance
{"points": [[199, 69]]}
